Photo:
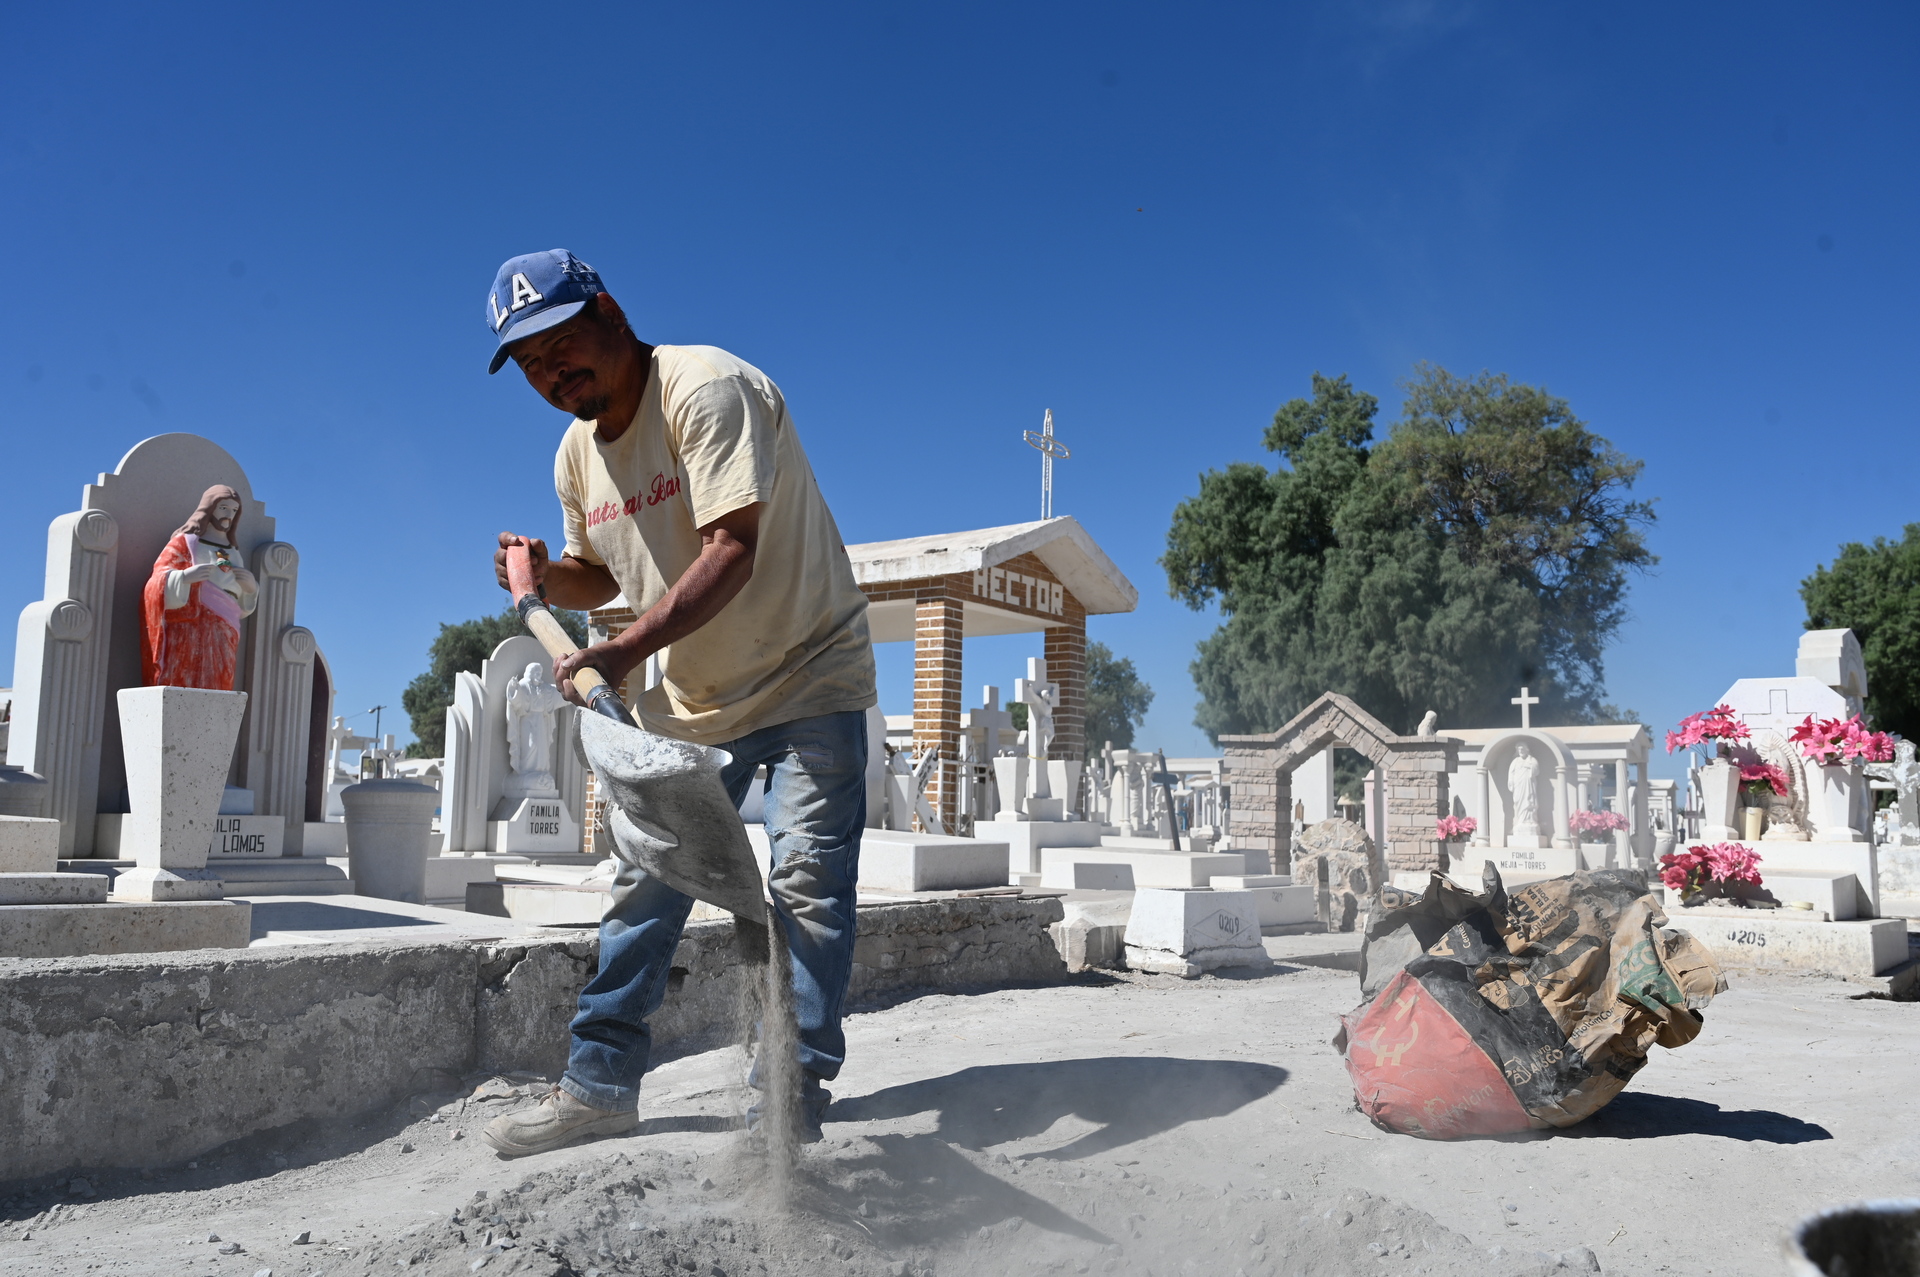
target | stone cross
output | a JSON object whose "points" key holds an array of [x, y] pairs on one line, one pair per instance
{"points": [[1041, 698], [1526, 704], [341, 737], [988, 723], [1049, 449]]}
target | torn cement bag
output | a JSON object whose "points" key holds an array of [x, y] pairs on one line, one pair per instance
{"points": [[1499, 1012]]}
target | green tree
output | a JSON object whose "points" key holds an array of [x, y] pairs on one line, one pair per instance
{"points": [[459, 649], [1486, 543], [1875, 592], [1117, 700]]}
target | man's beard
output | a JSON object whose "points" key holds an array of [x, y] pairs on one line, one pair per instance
{"points": [[222, 534], [590, 409]]}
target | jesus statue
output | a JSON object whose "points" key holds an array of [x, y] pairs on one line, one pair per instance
{"points": [[196, 598]]}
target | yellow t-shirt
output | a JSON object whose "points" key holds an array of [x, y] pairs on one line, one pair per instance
{"points": [[712, 435]]}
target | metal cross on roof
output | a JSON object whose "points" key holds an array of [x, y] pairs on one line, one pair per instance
{"points": [[1526, 704], [1049, 449]]}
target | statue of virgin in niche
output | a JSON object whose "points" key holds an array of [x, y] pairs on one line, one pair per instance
{"points": [[1522, 775]]}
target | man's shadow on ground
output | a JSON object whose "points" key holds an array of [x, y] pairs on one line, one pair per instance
{"points": [[1130, 1098], [918, 1190]]}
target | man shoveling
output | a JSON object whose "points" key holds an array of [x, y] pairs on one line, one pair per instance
{"points": [[684, 488]]}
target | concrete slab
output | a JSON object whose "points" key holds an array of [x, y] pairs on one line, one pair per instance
{"points": [[1128, 869], [1776, 940], [283, 876], [1187, 933], [283, 920], [1338, 950], [1026, 839], [1281, 903], [52, 889], [122, 927], [891, 860], [449, 876], [542, 904], [28, 844], [1861, 859], [1837, 896]]}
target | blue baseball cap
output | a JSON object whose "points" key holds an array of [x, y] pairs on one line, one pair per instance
{"points": [[535, 292]]}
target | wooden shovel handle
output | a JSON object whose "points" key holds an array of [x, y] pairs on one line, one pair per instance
{"points": [[541, 622]]}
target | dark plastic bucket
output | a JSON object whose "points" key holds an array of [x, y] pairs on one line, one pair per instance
{"points": [[1867, 1239]]}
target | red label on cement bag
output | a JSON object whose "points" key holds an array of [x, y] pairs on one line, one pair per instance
{"points": [[1417, 1071]]}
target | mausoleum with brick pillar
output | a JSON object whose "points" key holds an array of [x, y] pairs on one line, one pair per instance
{"points": [[1412, 770], [1046, 576]]}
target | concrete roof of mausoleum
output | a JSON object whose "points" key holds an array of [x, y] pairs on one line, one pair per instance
{"points": [[1060, 543]]}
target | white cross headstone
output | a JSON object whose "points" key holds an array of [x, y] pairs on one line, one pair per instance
{"points": [[1526, 704], [988, 724]]}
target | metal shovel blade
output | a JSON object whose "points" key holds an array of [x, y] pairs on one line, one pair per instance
{"points": [[670, 815]]}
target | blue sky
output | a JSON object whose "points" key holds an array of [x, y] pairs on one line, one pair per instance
{"points": [[275, 226]]}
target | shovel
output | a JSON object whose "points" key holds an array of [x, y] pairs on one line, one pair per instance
{"points": [[668, 812]]}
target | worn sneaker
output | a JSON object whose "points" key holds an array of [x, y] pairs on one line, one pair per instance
{"points": [[559, 1119]]}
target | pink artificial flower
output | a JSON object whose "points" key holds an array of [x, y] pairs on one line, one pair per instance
{"points": [[1717, 723], [1756, 773]]}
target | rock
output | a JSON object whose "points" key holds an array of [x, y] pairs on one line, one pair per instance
{"points": [[213, 1237], [1339, 853], [1579, 1259], [705, 1183], [231, 1248], [303, 1239], [480, 1196], [457, 1135], [264, 1272], [406, 1148]]}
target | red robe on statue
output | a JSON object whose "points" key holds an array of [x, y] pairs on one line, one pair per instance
{"points": [[191, 646]]}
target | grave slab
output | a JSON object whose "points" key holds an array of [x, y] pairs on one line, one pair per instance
{"points": [[1279, 901], [891, 860], [1026, 839], [540, 904], [1861, 859], [1774, 940], [1187, 933], [120, 926], [51, 889], [449, 876], [28, 844], [283, 876], [1835, 895], [1125, 869], [283, 920]]}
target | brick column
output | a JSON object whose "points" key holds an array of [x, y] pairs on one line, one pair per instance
{"points": [[939, 623], [1067, 666]]}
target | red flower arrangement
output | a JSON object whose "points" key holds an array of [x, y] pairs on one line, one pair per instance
{"points": [[1456, 828], [1698, 869], [1832, 740], [1716, 724]]}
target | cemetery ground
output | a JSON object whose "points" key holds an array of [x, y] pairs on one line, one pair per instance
{"points": [[1118, 1123]]}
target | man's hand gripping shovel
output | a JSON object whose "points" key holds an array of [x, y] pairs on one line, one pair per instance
{"points": [[669, 814]]}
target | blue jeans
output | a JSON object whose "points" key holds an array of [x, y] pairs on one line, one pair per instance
{"points": [[816, 807]]}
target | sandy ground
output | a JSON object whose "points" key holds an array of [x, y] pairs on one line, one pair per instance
{"points": [[1122, 1124]]}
